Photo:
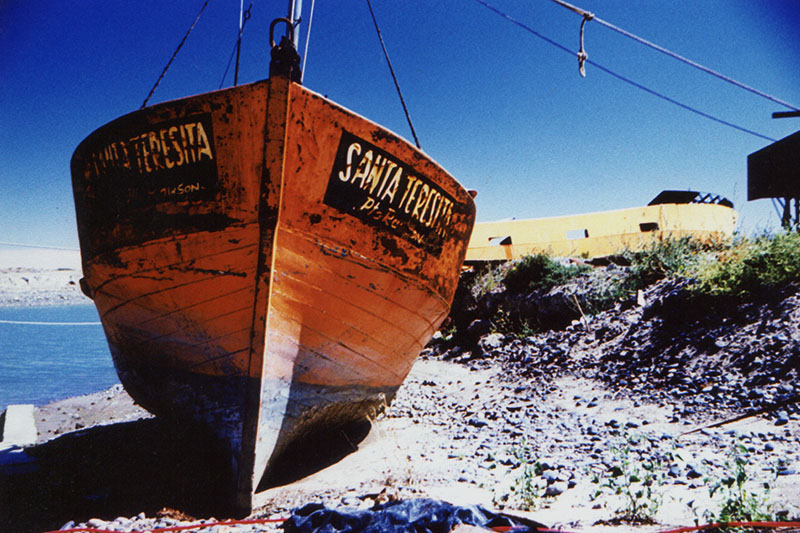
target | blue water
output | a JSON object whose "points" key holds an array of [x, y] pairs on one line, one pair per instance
{"points": [[49, 353]]}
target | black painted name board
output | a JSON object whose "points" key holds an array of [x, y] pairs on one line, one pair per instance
{"points": [[170, 161], [374, 186], [135, 181]]}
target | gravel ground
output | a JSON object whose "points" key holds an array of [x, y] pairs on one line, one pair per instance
{"points": [[466, 433]]}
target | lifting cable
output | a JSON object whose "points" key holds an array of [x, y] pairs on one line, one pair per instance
{"points": [[40, 246], [144, 104], [621, 77], [397, 85], [308, 38], [243, 18], [590, 16]]}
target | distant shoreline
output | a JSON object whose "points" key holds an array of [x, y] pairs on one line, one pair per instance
{"points": [[30, 287], [34, 277]]}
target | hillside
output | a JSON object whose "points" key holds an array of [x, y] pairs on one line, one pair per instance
{"points": [[736, 352]]}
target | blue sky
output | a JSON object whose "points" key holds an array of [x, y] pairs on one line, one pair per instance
{"points": [[505, 112]]}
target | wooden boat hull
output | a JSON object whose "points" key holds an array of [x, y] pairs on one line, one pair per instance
{"points": [[601, 233], [266, 264]]}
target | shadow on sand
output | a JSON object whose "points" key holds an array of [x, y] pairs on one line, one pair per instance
{"points": [[115, 470], [146, 465]]}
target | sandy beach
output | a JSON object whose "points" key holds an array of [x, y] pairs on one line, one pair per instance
{"points": [[455, 433]]}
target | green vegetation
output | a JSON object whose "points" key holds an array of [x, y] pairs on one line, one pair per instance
{"points": [[744, 267], [513, 324], [540, 271], [635, 480], [527, 491], [751, 265], [487, 279], [663, 258], [739, 501]]}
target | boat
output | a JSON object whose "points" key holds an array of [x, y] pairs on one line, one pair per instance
{"points": [[705, 217], [266, 264]]}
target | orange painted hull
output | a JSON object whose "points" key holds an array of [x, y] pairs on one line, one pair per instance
{"points": [[266, 264]]}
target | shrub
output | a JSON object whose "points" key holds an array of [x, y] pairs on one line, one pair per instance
{"points": [[752, 265], [662, 258], [486, 278], [540, 271]]}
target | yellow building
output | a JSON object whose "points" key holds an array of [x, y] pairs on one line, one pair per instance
{"points": [[706, 217]]}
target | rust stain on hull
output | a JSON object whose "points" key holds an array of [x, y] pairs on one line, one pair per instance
{"points": [[265, 262]]}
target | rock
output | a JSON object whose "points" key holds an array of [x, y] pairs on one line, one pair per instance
{"points": [[492, 341], [556, 488], [477, 422], [351, 501], [693, 472], [782, 418], [551, 476], [477, 329]]}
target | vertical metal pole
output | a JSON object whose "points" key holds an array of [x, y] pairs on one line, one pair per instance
{"points": [[295, 10], [786, 219]]}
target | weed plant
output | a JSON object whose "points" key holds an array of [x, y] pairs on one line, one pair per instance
{"points": [[663, 258], [739, 500], [527, 491], [488, 278], [752, 265], [512, 324], [637, 481]]}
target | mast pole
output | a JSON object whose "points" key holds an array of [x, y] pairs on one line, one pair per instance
{"points": [[295, 11]]}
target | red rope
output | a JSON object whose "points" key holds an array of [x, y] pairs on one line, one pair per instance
{"points": [[725, 525]]}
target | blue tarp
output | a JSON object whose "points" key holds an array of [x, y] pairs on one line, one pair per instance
{"points": [[408, 516]]}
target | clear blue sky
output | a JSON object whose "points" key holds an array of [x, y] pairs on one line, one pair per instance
{"points": [[503, 111]]}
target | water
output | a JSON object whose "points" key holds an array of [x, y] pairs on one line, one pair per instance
{"points": [[48, 354]]}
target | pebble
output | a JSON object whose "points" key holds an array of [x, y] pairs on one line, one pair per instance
{"points": [[556, 488]]}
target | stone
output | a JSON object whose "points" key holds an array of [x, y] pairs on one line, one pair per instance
{"points": [[492, 341], [556, 488], [693, 472], [551, 476], [477, 422]]}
